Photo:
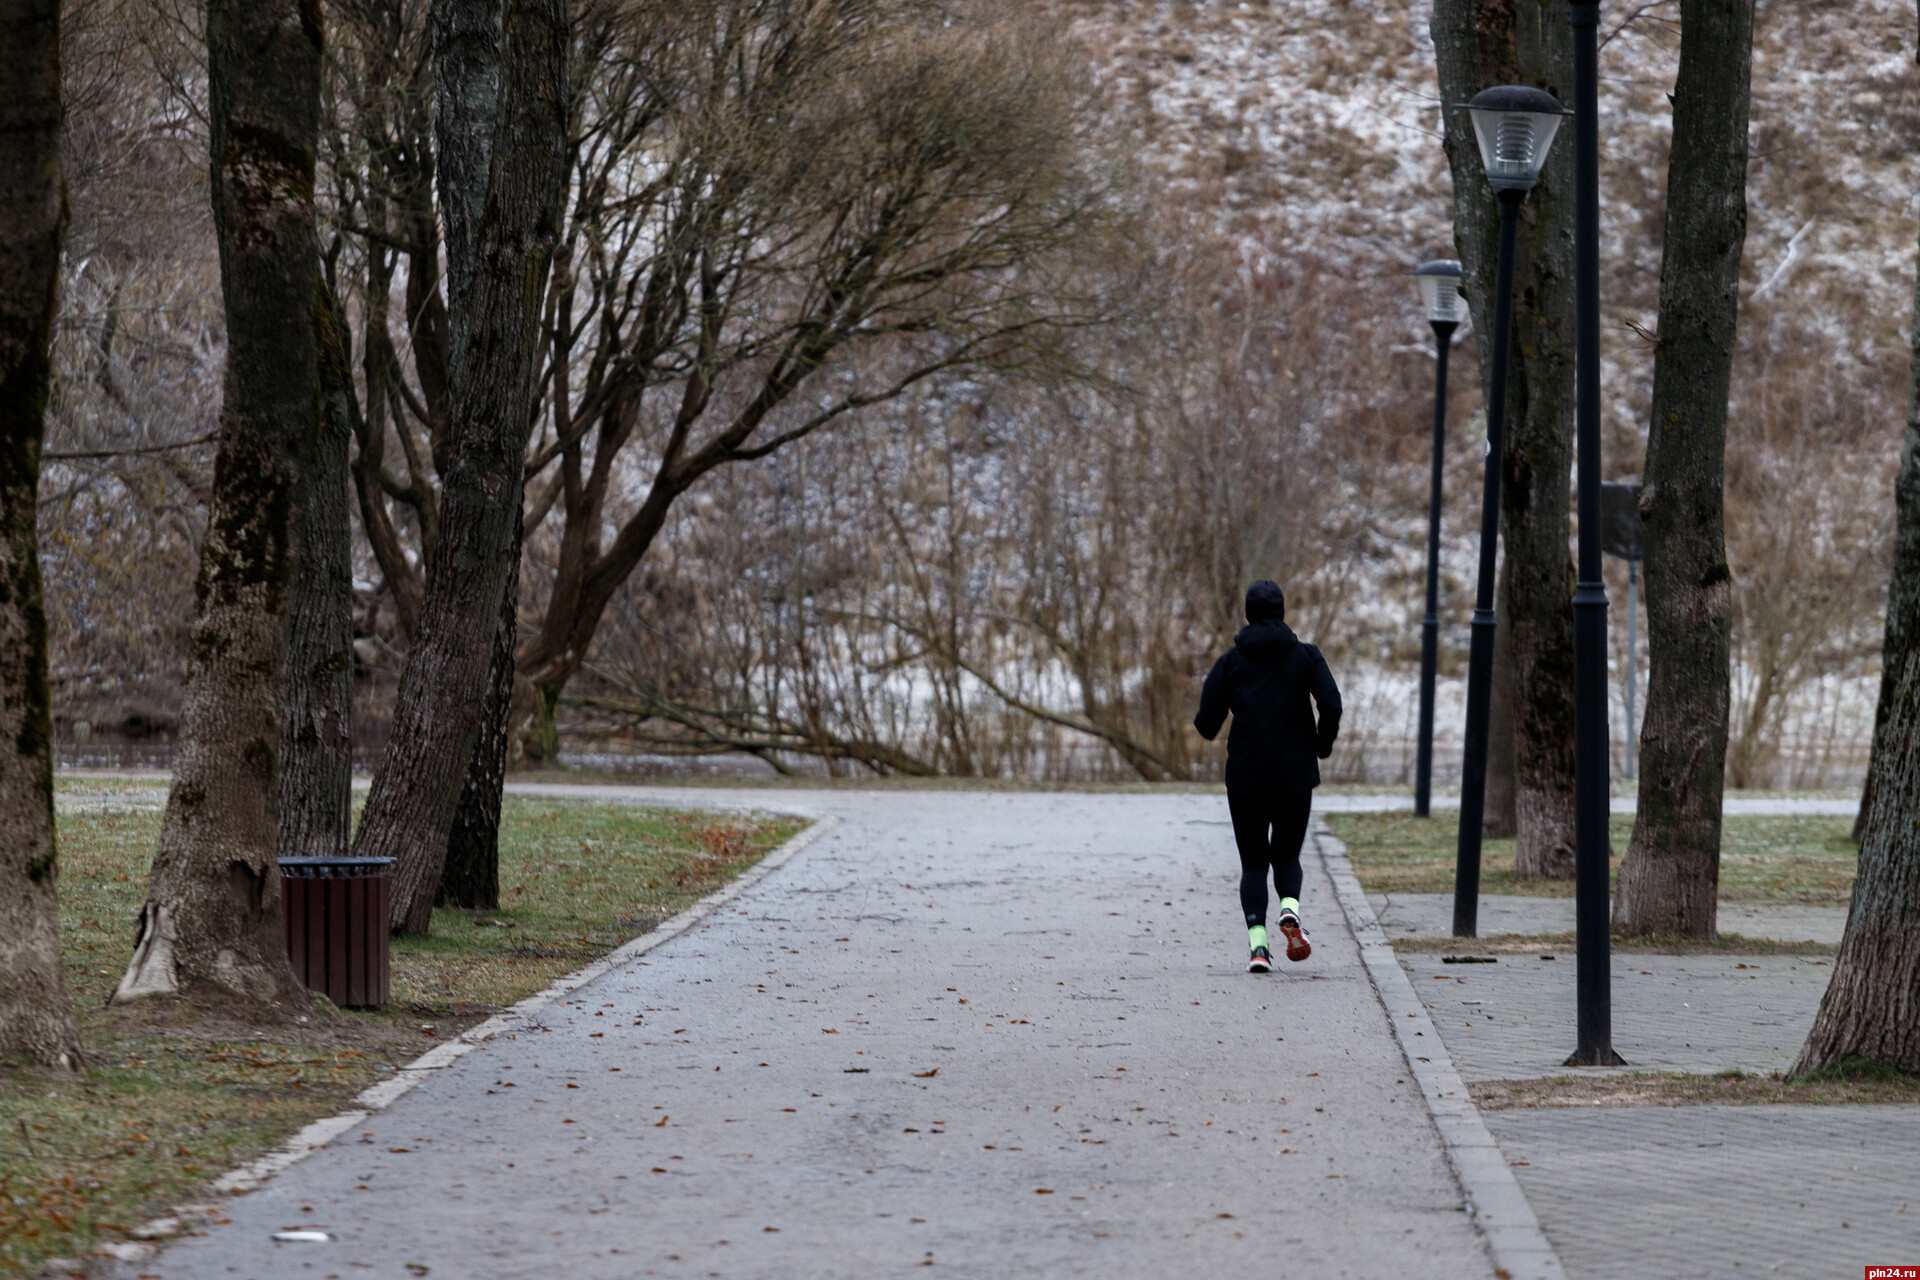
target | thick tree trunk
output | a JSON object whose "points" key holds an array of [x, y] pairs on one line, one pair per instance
{"points": [[438, 717], [1480, 43], [1669, 881], [211, 925], [471, 877], [36, 1016], [1872, 1005], [467, 88], [316, 727]]}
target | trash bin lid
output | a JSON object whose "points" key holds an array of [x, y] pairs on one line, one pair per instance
{"points": [[320, 868]]}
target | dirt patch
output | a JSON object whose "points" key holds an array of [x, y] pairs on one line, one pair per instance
{"points": [[1671, 1089], [1560, 945]]}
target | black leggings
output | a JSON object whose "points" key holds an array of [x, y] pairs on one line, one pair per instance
{"points": [[1269, 830]]}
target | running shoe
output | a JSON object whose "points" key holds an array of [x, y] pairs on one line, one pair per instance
{"points": [[1298, 948], [1262, 961]]}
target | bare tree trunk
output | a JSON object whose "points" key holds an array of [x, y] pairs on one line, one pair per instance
{"points": [[36, 1015], [1669, 881], [438, 717], [1872, 1005], [467, 87], [1903, 593], [1480, 43], [471, 877], [211, 925], [316, 728]]}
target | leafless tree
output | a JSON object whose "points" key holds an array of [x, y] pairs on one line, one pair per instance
{"points": [[993, 578], [1670, 879], [36, 1016], [416, 790], [1480, 43], [211, 925]]}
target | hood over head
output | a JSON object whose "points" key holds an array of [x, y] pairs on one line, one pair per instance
{"points": [[1266, 601]]}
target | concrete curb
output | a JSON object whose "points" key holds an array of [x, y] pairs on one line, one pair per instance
{"points": [[383, 1095], [1520, 1249]]}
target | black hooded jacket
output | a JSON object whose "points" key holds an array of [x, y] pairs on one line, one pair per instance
{"points": [[1267, 681]]}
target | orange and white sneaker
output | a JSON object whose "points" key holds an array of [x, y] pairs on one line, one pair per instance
{"points": [[1261, 961], [1298, 948]]}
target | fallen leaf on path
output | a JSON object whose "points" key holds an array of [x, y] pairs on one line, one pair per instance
{"points": [[926, 1075]]}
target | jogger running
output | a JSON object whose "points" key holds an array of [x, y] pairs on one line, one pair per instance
{"points": [[1272, 683]]}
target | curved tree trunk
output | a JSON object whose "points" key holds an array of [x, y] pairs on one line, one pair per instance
{"points": [[211, 925], [1669, 881], [438, 717], [316, 727], [1481, 43], [36, 1015], [1872, 1006], [1903, 592]]}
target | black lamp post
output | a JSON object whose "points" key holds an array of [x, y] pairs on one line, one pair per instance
{"points": [[1439, 283], [1514, 126], [1592, 845]]}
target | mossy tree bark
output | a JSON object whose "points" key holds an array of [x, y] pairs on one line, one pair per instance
{"points": [[211, 927], [1669, 881], [1872, 1005], [1481, 43], [438, 718], [36, 1015]]}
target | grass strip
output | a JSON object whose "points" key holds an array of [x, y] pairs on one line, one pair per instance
{"points": [[1803, 860], [172, 1099]]}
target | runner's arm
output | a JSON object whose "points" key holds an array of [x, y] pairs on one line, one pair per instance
{"points": [[1215, 696], [1326, 696]]}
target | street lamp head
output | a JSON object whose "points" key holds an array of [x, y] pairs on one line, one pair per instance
{"points": [[1439, 283], [1515, 126]]}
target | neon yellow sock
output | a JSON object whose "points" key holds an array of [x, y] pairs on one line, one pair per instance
{"points": [[1256, 936], [1290, 904]]}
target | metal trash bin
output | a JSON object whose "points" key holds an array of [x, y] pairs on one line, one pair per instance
{"points": [[336, 914]]}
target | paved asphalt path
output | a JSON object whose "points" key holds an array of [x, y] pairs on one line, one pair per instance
{"points": [[1000, 1035]]}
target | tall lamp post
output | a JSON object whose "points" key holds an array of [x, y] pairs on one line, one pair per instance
{"points": [[1439, 283], [1593, 846], [1514, 126]]}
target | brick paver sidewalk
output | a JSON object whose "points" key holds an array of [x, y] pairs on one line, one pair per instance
{"points": [[1657, 1191]]}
